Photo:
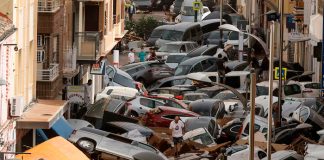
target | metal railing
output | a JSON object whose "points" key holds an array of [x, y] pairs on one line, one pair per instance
{"points": [[87, 45], [49, 74], [48, 5]]}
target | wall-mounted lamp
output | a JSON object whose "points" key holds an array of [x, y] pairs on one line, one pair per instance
{"points": [[16, 47]]}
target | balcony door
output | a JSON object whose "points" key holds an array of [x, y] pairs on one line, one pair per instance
{"points": [[91, 18]]}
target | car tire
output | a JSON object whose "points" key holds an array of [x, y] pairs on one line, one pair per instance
{"points": [[133, 114], [86, 145]]}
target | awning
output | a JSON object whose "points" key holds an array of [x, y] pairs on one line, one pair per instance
{"points": [[316, 28], [53, 149], [42, 115]]}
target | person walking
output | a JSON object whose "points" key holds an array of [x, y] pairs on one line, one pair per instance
{"points": [[177, 128], [87, 93], [131, 10], [221, 70], [131, 56], [142, 55]]}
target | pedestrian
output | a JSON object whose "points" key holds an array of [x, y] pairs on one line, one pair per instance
{"points": [[131, 10], [265, 69], [87, 93], [142, 55], [177, 128], [254, 63], [64, 90], [131, 56], [152, 55]]}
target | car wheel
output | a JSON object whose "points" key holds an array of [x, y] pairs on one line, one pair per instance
{"points": [[133, 114], [86, 145]]}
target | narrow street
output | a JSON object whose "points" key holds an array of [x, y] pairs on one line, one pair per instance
{"points": [[123, 79]]}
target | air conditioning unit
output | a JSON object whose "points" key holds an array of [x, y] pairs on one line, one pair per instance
{"points": [[17, 106]]}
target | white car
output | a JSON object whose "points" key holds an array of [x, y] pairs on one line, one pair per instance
{"points": [[117, 92], [284, 155], [310, 89], [244, 154]]}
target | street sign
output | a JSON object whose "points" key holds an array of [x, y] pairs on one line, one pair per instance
{"points": [[196, 6], [98, 68], [75, 94], [283, 73]]}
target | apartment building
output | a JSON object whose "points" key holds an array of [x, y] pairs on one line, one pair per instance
{"points": [[54, 44], [99, 27], [18, 21]]}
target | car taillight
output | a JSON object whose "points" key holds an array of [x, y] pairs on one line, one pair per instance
{"points": [[179, 97]]}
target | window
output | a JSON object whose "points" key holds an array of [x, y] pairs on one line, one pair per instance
{"points": [[233, 81], [55, 49], [124, 81], [292, 89], [39, 41], [290, 158], [256, 128], [196, 68], [40, 56], [206, 64], [313, 85], [210, 52], [193, 33], [150, 103]]}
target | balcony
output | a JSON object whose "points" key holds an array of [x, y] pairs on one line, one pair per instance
{"points": [[48, 6], [48, 75], [87, 46]]}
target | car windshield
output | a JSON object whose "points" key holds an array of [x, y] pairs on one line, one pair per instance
{"points": [[124, 81], [261, 90], [182, 70], [216, 35], [172, 35], [235, 36], [170, 48], [174, 58], [156, 33], [188, 11]]}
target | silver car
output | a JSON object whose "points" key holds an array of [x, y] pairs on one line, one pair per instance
{"points": [[90, 140], [140, 105]]}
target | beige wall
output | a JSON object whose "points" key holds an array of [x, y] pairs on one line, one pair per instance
{"points": [[6, 7], [25, 62]]}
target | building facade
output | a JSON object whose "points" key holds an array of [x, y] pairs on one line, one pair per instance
{"points": [[18, 66], [54, 41], [99, 27]]}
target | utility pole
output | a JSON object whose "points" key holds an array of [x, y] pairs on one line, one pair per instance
{"points": [[281, 8], [221, 23], [196, 14], [269, 134], [252, 113]]}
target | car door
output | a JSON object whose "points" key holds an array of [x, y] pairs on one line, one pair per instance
{"points": [[146, 104]]}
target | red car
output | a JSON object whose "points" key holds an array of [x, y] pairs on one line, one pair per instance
{"points": [[162, 116], [172, 102]]}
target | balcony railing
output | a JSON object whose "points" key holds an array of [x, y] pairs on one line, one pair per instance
{"points": [[50, 74], [87, 45], [48, 5]]}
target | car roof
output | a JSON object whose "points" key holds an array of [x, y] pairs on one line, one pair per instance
{"points": [[201, 120], [209, 21], [166, 26], [237, 73], [128, 125], [200, 50], [172, 109], [181, 42], [172, 78], [195, 60], [177, 54], [275, 83], [232, 64], [184, 26]]}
